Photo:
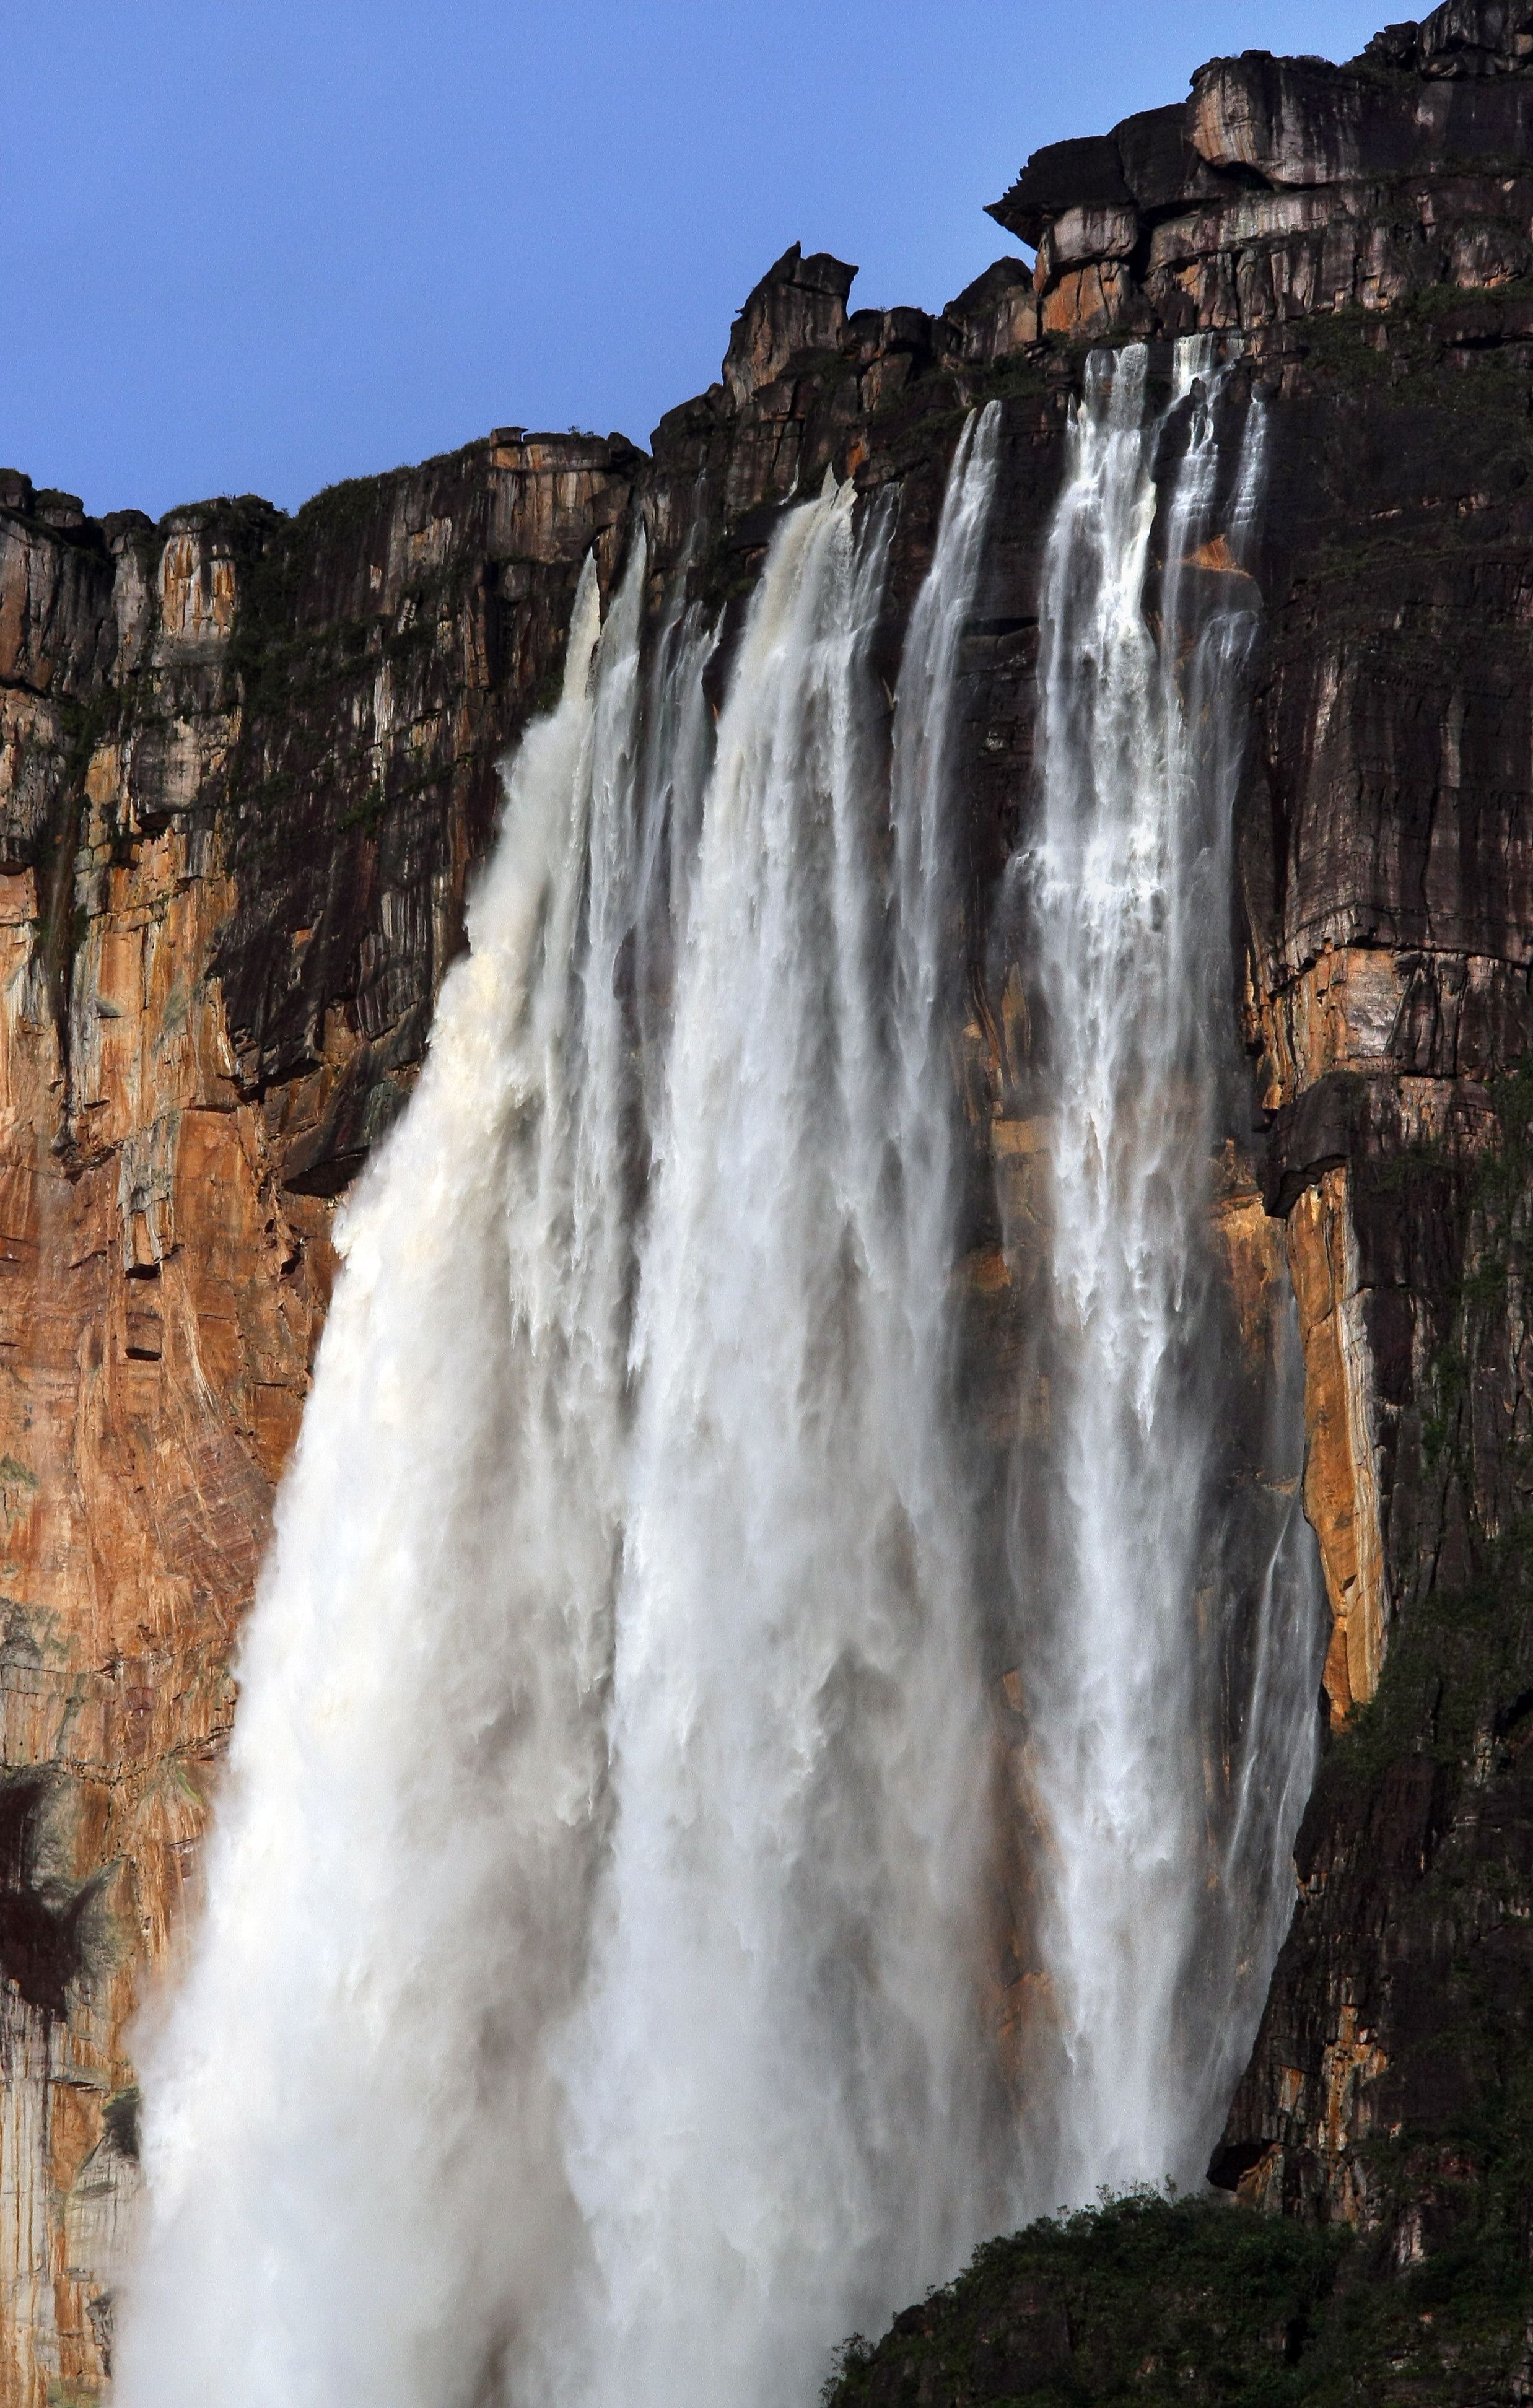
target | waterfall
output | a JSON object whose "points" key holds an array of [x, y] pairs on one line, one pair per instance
{"points": [[587, 2001], [593, 2001], [775, 2049], [1173, 1663], [353, 2138]]}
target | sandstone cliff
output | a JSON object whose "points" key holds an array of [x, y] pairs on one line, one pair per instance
{"points": [[247, 769], [245, 766]]}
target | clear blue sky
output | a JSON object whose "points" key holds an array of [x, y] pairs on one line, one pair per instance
{"points": [[258, 244]]}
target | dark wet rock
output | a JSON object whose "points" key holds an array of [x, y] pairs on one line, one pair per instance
{"points": [[799, 308]]}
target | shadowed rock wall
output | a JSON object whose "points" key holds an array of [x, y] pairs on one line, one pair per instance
{"points": [[1368, 231]]}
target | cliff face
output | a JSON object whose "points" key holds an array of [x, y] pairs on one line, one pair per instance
{"points": [[221, 951], [1385, 868], [247, 770], [1369, 229]]}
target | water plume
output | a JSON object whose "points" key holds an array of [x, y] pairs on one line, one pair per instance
{"points": [[1172, 1665]]}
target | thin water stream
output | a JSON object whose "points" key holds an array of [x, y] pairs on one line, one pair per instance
{"points": [[1172, 1665]]}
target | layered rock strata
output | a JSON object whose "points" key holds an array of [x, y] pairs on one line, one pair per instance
{"points": [[248, 769], [1286, 187]]}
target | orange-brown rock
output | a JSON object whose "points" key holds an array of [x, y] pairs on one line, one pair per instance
{"points": [[1340, 1482], [164, 1208]]}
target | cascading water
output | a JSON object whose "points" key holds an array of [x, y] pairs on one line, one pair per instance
{"points": [[589, 2006], [1172, 1664], [352, 2140], [586, 2006], [776, 2078]]}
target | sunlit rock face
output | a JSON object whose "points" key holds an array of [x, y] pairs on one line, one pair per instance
{"points": [[248, 772], [1287, 186], [200, 1039]]}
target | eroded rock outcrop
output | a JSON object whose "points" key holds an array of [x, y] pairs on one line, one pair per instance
{"points": [[1284, 187]]}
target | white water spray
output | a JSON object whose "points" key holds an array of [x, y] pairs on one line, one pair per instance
{"points": [[352, 2140], [777, 2079], [586, 2006], [1174, 1671]]}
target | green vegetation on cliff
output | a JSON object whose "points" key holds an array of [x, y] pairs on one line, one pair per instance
{"points": [[1154, 2301]]}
